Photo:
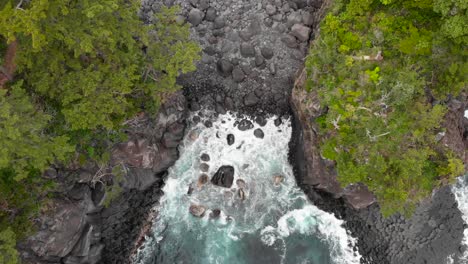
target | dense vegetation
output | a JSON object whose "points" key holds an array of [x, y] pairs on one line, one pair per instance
{"points": [[71, 72], [384, 71]]}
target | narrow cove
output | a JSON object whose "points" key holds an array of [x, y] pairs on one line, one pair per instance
{"points": [[264, 217]]}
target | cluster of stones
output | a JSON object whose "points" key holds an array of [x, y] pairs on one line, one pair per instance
{"points": [[224, 176], [251, 50]]}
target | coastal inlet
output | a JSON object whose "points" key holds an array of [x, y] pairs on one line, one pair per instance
{"points": [[232, 198]]}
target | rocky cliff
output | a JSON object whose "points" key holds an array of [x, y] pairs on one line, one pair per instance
{"points": [[431, 235], [77, 228]]}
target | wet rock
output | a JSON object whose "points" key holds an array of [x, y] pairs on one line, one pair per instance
{"points": [[238, 75], [197, 210], [261, 120], [267, 53], [278, 179], [301, 32], [223, 177], [241, 183], [247, 50], [230, 139], [195, 17], [224, 67], [204, 167], [208, 123], [205, 157], [228, 195], [245, 124], [220, 109], [241, 194], [251, 99], [190, 189], [215, 214], [258, 133], [278, 121], [194, 106], [202, 180], [193, 135]]}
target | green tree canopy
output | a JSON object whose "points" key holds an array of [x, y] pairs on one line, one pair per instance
{"points": [[384, 70], [71, 71]]}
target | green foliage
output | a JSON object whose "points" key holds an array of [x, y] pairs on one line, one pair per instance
{"points": [[379, 128], [8, 254], [83, 67], [25, 146]]}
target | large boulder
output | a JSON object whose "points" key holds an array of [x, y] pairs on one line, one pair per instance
{"points": [[223, 177], [301, 32]]}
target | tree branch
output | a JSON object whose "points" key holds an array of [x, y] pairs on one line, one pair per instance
{"points": [[8, 68]]}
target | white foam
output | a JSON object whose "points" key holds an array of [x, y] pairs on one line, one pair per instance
{"points": [[273, 212], [460, 190]]}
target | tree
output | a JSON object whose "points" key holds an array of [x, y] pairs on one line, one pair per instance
{"points": [[82, 66], [374, 67], [71, 72], [8, 254]]}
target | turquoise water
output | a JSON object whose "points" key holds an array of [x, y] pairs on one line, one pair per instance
{"points": [[275, 223]]}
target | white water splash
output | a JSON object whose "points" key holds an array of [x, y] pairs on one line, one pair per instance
{"points": [[460, 190], [272, 219]]}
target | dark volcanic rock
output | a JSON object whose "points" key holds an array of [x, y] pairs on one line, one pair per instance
{"points": [[247, 50], [238, 75], [195, 17], [230, 139], [215, 213], [223, 177], [251, 99], [205, 157], [301, 32], [258, 133], [204, 167], [224, 67], [197, 210], [245, 124]]}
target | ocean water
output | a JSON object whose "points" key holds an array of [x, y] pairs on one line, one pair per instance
{"points": [[274, 223]]}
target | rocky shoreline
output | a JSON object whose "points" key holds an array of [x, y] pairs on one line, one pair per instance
{"points": [[430, 236], [252, 52]]}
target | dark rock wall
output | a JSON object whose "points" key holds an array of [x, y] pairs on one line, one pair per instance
{"points": [[78, 229], [432, 234]]}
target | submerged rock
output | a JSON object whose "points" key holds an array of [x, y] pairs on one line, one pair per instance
{"points": [[193, 135], [241, 194], [202, 180], [215, 213], [241, 183], [278, 179], [230, 139], [223, 177], [197, 210], [190, 189], [204, 167]]}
